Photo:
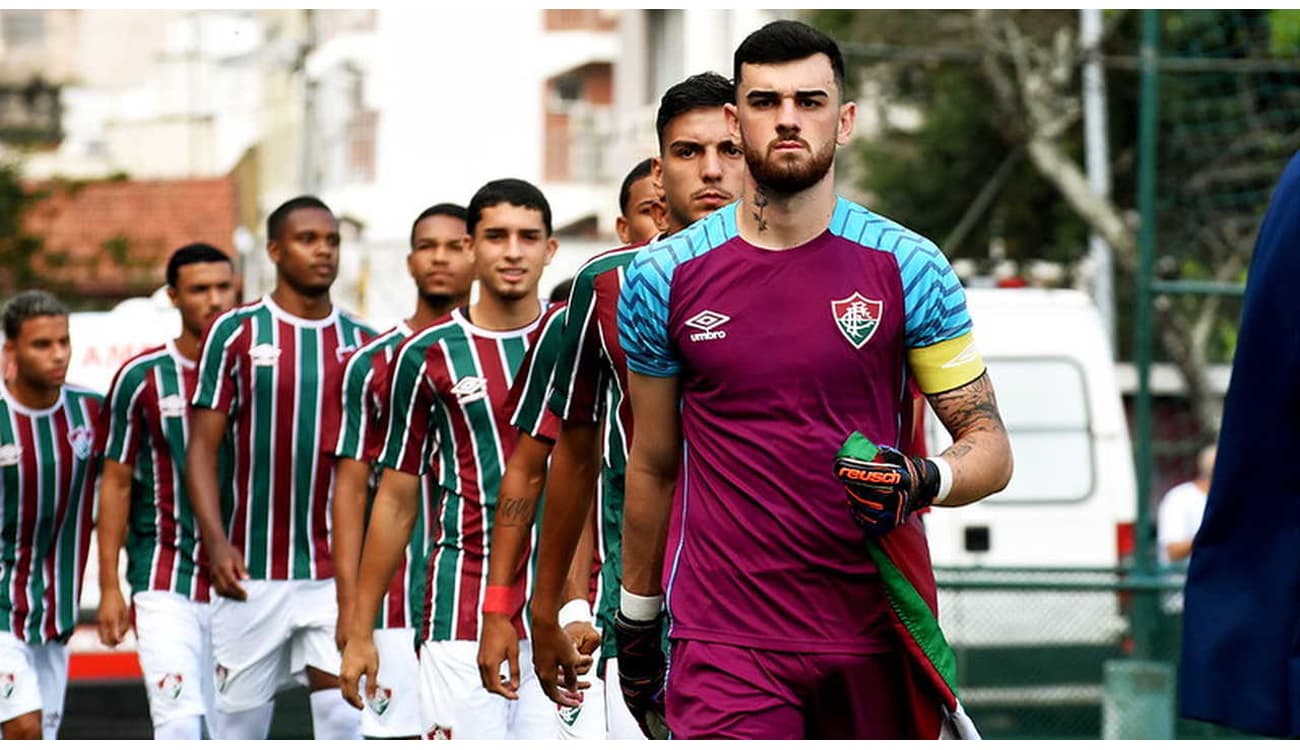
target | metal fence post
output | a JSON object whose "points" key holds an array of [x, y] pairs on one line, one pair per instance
{"points": [[1144, 614]]}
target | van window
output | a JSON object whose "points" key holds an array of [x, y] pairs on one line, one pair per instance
{"points": [[1044, 405]]}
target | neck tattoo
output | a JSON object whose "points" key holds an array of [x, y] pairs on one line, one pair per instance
{"points": [[760, 202]]}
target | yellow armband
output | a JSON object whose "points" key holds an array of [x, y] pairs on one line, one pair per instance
{"points": [[946, 365]]}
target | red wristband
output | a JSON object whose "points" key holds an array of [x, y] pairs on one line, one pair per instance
{"points": [[499, 600]]}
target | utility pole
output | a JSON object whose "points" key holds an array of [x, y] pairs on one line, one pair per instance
{"points": [[1097, 162]]}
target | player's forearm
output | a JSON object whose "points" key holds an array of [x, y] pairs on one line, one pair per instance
{"points": [[391, 519], [110, 527], [575, 466], [980, 455], [645, 527], [981, 466], [206, 430], [577, 584], [516, 509], [351, 480]]}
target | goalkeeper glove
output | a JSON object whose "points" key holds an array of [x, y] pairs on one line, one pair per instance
{"points": [[641, 670], [882, 486]]}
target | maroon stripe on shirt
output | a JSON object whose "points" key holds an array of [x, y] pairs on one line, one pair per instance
{"points": [[286, 392], [165, 497], [329, 419], [61, 427], [243, 447], [23, 560]]}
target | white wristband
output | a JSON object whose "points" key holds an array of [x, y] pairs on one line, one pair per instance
{"points": [[575, 610], [945, 477], [637, 607]]}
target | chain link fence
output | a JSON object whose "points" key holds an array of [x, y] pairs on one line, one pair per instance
{"points": [[1034, 647]]}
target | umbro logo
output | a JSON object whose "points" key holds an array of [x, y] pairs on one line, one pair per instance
{"points": [[469, 388], [171, 406], [967, 355], [264, 355], [706, 322], [10, 455]]}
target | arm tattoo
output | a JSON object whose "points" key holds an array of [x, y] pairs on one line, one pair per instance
{"points": [[970, 408], [760, 202], [516, 511]]}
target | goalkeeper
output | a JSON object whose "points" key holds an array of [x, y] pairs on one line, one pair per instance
{"points": [[758, 339]]}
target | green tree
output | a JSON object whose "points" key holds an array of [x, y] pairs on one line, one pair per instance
{"points": [[998, 153], [18, 248]]}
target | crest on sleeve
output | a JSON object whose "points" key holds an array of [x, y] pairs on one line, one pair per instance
{"points": [[857, 317]]}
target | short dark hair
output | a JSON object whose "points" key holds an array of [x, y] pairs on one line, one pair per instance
{"points": [[788, 41], [510, 190], [23, 306], [438, 209], [700, 91], [639, 172], [275, 222], [560, 292], [197, 252]]}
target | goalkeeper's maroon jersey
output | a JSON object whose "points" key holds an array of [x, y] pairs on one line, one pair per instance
{"points": [[780, 356]]}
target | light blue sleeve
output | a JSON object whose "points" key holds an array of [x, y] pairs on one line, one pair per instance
{"points": [[643, 313]]}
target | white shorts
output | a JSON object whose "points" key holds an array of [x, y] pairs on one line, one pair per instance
{"points": [[619, 723], [454, 704], [33, 678], [266, 642], [395, 709], [174, 642]]}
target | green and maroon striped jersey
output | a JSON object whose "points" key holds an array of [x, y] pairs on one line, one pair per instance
{"points": [[146, 426], [361, 436], [278, 377], [447, 413], [532, 388], [591, 383], [47, 487]]}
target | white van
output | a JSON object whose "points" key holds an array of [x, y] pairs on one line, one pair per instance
{"points": [[1072, 497]]}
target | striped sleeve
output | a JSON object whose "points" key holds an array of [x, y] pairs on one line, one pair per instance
{"points": [[123, 423], [216, 386], [532, 386], [355, 405], [579, 375], [408, 445], [377, 398], [643, 313]]}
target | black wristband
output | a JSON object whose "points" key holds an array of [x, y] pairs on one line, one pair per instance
{"points": [[927, 484]]}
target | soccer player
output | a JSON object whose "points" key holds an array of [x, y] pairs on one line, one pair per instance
{"points": [[449, 385], [442, 267], [521, 488], [641, 210], [47, 486], [758, 341], [699, 167], [142, 488], [269, 375]]}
